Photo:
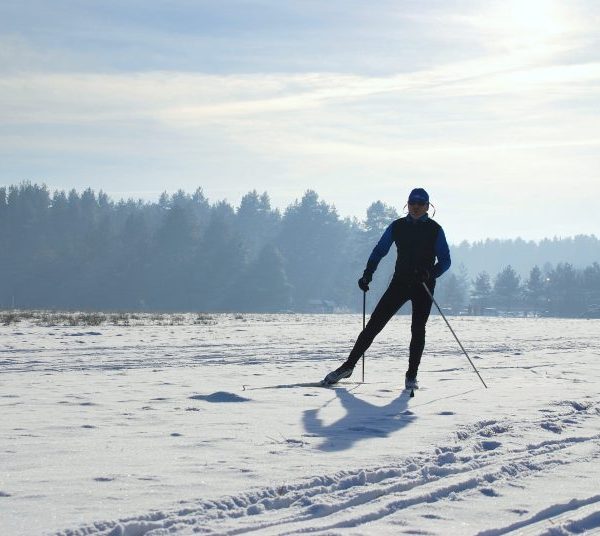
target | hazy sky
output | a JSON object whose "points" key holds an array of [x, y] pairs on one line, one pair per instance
{"points": [[493, 107]]}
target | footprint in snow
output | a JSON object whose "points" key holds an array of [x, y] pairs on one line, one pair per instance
{"points": [[220, 396], [489, 492], [519, 511], [82, 334], [578, 406], [552, 427], [490, 445]]}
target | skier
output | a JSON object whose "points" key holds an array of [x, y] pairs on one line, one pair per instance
{"points": [[419, 240]]}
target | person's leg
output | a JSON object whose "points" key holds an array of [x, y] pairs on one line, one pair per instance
{"points": [[393, 298], [421, 307]]}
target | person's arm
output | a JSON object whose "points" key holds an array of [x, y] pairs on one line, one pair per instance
{"points": [[380, 250], [442, 252]]}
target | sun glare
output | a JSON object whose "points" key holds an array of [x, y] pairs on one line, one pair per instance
{"points": [[529, 24]]}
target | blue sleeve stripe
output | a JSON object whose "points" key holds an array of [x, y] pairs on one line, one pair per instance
{"points": [[442, 252], [381, 249]]}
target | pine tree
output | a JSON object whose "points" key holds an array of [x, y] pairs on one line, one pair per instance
{"points": [[452, 289], [534, 289], [566, 294], [482, 290], [264, 286], [507, 287]]}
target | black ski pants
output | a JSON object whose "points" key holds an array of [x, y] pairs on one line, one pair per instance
{"points": [[397, 294]]}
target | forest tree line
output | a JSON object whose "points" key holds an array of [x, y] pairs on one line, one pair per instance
{"points": [[82, 250]]}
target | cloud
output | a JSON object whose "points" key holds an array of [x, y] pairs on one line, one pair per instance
{"points": [[181, 98], [353, 102], [480, 110]]}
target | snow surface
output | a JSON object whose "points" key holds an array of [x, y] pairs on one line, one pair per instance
{"points": [[220, 429]]}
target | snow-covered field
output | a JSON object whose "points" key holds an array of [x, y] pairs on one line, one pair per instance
{"points": [[217, 429]]}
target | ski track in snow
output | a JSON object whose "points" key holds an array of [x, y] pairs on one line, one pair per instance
{"points": [[188, 410], [482, 461]]}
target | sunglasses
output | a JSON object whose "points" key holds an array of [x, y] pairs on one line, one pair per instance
{"points": [[420, 203]]}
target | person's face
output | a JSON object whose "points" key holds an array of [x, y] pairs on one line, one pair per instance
{"points": [[417, 209]]}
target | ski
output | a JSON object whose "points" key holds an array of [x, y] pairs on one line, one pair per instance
{"points": [[323, 383]]}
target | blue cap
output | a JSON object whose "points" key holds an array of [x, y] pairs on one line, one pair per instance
{"points": [[418, 195]]}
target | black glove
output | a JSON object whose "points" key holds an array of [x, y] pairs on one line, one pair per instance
{"points": [[422, 275], [364, 281]]}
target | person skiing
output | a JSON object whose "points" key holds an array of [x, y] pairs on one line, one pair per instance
{"points": [[419, 241]]}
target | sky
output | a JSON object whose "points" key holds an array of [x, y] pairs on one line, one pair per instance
{"points": [[493, 107]]}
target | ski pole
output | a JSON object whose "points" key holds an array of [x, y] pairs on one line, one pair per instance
{"points": [[450, 327], [364, 313]]}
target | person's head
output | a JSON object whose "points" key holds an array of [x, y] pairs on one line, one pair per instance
{"points": [[418, 202]]}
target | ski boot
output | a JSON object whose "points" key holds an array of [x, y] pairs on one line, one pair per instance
{"points": [[345, 371], [410, 383]]}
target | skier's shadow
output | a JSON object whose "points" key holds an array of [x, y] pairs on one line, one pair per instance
{"points": [[361, 421]]}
